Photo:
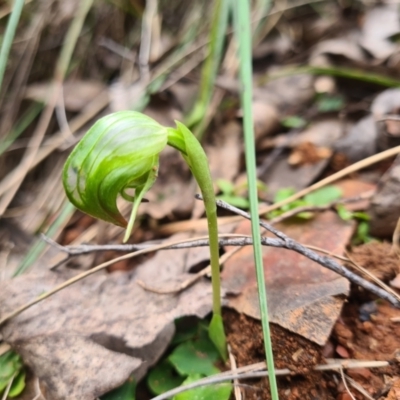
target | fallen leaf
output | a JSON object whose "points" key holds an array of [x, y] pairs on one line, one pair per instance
{"points": [[384, 209], [224, 154], [76, 93], [322, 134], [353, 188], [380, 23], [266, 119], [71, 339], [290, 92], [346, 47], [303, 296], [174, 189], [360, 141]]}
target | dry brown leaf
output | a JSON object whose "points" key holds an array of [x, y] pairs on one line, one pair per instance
{"points": [[380, 23], [224, 154], [77, 93], [88, 338], [174, 189], [266, 119], [353, 188], [302, 295], [360, 142], [322, 134], [385, 204], [346, 47], [289, 92]]}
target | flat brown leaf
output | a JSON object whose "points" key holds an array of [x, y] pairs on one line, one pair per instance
{"points": [[301, 293], [90, 337], [76, 93], [322, 134], [380, 23]]}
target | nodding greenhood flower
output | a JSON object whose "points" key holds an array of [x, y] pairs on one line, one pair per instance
{"points": [[121, 152]]}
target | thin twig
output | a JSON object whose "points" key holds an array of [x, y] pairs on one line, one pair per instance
{"points": [[345, 384], [324, 261], [232, 361], [99, 267], [256, 373], [396, 239], [177, 226], [283, 242], [8, 387], [373, 277], [359, 388], [145, 43]]}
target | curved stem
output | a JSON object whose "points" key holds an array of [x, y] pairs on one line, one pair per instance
{"points": [[192, 151]]}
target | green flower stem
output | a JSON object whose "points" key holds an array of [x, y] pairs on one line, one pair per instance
{"points": [[121, 152], [196, 158]]}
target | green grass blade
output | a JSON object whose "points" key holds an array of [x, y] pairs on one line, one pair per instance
{"points": [[26, 119], [36, 250], [243, 34], [210, 67], [340, 72], [9, 36]]}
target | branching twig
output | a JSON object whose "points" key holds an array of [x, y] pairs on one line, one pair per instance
{"points": [[322, 260], [99, 267], [283, 241]]}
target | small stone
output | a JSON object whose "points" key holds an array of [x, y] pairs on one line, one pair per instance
{"points": [[344, 396], [367, 326], [343, 331], [342, 351], [329, 350], [358, 373]]}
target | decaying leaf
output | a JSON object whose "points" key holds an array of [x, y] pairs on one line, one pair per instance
{"points": [[380, 23], [303, 296], [385, 204], [322, 134], [77, 93], [90, 337]]}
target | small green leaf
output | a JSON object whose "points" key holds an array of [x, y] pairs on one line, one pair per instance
{"points": [[163, 378], [323, 196], [363, 216], [220, 391], [196, 356], [283, 194], [235, 201], [225, 186], [294, 121], [10, 365], [18, 385], [216, 333], [343, 213], [127, 391], [362, 234], [329, 103]]}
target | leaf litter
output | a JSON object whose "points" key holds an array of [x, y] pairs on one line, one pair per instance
{"points": [[100, 321], [94, 319]]}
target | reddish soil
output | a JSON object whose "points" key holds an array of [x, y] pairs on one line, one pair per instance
{"points": [[375, 339]]}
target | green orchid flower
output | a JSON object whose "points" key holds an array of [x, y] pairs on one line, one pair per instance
{"points": [[121, 152]]}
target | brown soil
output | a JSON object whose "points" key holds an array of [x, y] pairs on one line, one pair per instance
{"points": [[375, 339]]}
